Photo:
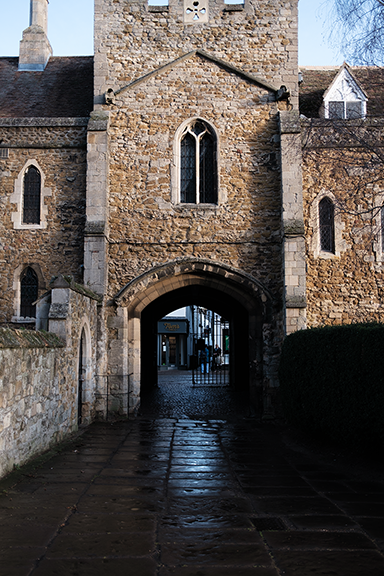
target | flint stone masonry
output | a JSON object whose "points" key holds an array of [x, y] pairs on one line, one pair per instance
{"points": [[152, 75], [131, 40], [58, 149], [347, 286], [39, 378], [34, 406], [146, 226], [111, 199]]}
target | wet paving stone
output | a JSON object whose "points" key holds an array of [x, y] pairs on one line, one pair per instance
{"points": [[375, 509], [326, 562], [218, 522], [169, 533], [329, 486], [281, 491], [211, 552], [287, 506], [208, 506], [122, 490], [191, 492], [96, 567], [316, 540], [320, 522], [34, 534], [119, 505], [104, 545], [374, 527], [218, 571], [103, 523], [19, 560]]}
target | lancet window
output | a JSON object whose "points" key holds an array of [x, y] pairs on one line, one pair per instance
{"points": [[198, 164]]}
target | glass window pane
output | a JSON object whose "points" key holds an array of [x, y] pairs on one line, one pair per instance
{"points": [[188, 169], [327, 225], [31, 196], [353, 109], [336, 110], [28, 293], [208, 192]]}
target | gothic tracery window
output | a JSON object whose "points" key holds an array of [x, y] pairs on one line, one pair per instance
{"points": [[31, 196], [29, 291], [198, 164], [327, 225]]}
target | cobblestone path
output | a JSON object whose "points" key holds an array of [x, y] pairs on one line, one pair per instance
{"points": [[171, 493]]}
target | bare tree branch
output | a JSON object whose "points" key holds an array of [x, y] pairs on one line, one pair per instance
{"points": [[357, 29]]}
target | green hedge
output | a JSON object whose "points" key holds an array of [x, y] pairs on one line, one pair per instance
{"points": [[332, 382]]}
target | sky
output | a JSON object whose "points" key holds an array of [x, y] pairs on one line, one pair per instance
{"points": [[72, 35]]}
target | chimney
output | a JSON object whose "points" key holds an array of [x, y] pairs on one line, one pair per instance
{"points": [[35, 49]]}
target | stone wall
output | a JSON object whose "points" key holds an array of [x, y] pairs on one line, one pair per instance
{"points": [[132, 39], [39, 376], [58, 146], [344, 162], [147, 227], [145, 223]]}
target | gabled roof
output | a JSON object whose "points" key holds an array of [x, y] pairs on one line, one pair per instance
{"points": [[63, 89], [250, 77], [317, 80], [345, 73]]}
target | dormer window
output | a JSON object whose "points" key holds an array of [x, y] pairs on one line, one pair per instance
{"points": [[344, 99], [346, 110]]}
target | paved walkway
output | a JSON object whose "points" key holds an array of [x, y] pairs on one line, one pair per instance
{"points": [[202, 496]]}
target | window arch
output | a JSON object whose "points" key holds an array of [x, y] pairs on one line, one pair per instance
{"points": [[29, 291], [198, 164], [31, 196], [327, 225]]}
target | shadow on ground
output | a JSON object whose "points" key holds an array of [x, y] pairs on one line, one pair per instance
{"points": [[192, 487]]}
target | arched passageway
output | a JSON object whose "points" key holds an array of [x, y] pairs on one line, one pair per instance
{"points": [[237, 296], [220, 303]]}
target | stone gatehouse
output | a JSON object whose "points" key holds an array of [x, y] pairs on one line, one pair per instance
{"points": [[173, 168]]}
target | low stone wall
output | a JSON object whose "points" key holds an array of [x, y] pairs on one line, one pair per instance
{"points": [[39, 377], [35, 408]]}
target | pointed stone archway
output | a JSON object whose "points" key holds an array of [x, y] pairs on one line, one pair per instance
{"points": [[232, 293]]}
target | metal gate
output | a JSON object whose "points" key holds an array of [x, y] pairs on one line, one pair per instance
{"points": [[211, 342]]}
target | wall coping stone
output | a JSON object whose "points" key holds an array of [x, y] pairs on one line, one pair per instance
{"points": [[205, 55], [158, 8], [41, 122], [23, 338], [362, 122], [233, 7], [295, 301], [293, 227], [98, 121], [67, 282], [290, 122]]}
